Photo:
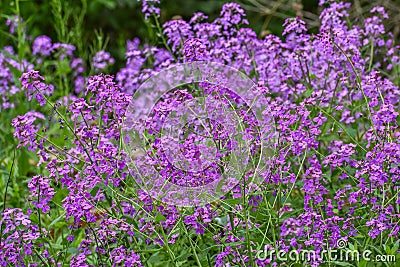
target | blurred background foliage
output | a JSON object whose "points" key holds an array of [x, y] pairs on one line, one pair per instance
{"points": [[92, 25]]}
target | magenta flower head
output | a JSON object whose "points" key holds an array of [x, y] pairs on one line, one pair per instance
{"points": [[42, 46], [41, 192], [25, 130], [12, 22], [102, 60], [232, 14], [149, 8], [17, 237], [194, 50], [177, 31], [64, 50], [294, 25], [197, 149], [33, 83]]}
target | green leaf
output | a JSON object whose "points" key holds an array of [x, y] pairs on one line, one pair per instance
{"points": [[308, 92], [156, 258], [395, 247], [23, 163], [56, 220], [233, 201], [94, 191], [64, 67], [340, 263], [159, 218], [108, 3], [328, 137], [73, 251], [61, 193]]}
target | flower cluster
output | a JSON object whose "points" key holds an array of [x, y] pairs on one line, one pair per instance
{"points": [[149, 8], [102, 60], [8, 87], [25, 130], [19, 238], [33, 83], [41, 192]]}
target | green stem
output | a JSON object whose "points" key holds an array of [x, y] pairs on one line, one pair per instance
{"points": [[358, 81], [193, 248], [5, 194]]}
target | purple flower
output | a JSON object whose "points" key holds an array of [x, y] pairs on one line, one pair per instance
{"points": [[177, 31], [231, 15], [64, 50], [197, 18], [385, 115], [25, 130], [294, 25], [102, 60], [13, 23], [17, 238], [33, 83], [194, 50], [149, 8], [41, 192]]}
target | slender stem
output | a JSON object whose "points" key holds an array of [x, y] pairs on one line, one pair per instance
{"points": [[358, 81], [193, 248], [5, 194]]}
